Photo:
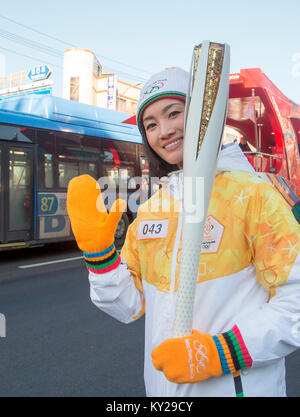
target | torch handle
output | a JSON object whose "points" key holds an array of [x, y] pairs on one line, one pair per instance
{"points": [[189, 264]]}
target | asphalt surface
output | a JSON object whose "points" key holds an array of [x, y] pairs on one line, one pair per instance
{"points": [[58, 344]]}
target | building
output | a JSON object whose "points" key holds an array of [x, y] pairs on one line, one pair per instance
{"points": [[35, 81], [85, 80]]}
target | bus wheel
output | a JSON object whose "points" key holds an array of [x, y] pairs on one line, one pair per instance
{"points": [[121, 231]]}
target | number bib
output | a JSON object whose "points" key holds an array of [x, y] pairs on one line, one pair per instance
{"points": [[153, 229]]}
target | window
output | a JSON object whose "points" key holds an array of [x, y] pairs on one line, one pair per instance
{"points": [[118, 160], [121, 104], [144, 162], [74, 88], [131, 107], [17, 134], [127, 154], [20, 170], [49, 170], [110, 162], [46, 159], [66, 171], [62, 156], [68, 155], [90, 156], [97, 68]]}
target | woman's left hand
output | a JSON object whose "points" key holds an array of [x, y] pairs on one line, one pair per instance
{"points": [[188, 359]]}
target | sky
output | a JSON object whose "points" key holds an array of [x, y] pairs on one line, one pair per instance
{"points": [[135, 38]]}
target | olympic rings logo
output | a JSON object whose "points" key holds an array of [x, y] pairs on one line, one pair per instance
{"points": [[200, 356], [157, 85]]}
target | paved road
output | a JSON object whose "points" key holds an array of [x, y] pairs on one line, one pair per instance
{"points": [[58, 344]]}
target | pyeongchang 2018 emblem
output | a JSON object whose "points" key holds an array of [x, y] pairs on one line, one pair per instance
{"points": [[213, 232], [154, 87]]}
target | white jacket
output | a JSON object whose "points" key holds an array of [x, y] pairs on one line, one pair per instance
{"points": [[249, 276]]}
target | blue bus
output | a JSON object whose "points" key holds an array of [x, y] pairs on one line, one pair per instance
{"points": [[44, 142]]}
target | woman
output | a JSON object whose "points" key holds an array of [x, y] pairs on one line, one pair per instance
{"points": [[248, 288]]}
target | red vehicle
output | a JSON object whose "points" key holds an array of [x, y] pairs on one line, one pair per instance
{"points": [[269, 127]]}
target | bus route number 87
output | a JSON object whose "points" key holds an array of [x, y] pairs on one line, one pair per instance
{"points": [[47, 204]]}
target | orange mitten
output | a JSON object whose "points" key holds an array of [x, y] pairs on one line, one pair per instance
{"points": [[93, 227], [188, 359], [200, 356]]}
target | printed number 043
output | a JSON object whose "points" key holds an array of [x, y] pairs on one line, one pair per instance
{"points": [[154, 228]]}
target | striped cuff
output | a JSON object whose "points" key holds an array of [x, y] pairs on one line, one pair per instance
{"points": [[232, 351], [103, 261]]}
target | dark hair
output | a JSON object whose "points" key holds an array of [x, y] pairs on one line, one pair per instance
{"points": [[158, 167]]}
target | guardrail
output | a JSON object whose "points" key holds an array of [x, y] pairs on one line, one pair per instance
{"points": [[259, 158]]}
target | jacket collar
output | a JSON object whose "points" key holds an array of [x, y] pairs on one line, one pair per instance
{"points": [[231, 159]]}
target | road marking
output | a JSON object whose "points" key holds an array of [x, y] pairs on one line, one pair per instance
{"points": [[50, 262]]}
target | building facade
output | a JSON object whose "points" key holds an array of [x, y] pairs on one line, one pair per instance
{"points": [[86, 81]]}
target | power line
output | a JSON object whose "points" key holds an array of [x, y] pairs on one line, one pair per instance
{"points": [[72, 46], [61, 67], [30, 57], [30, 43], [52, 51], [36, 31]]}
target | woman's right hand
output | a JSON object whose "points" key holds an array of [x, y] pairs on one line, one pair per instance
{"points": [[93, 227]]}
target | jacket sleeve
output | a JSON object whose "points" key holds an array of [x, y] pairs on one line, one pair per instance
{"points": [[119, 293], [273, 330]]}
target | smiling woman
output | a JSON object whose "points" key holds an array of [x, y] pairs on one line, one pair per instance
{"points": [[161, 118], [246, 258], [163, 122]]}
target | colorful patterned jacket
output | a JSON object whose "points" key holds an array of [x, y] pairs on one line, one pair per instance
{"points": [[248, 281]]}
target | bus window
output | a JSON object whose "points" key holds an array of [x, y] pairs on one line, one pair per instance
{"points": [[49, 170], [17, 134], [88, 168], [144, 163], [19, 189], [67, 152], [110, 163], [46, 159], [127, 152], [89, 157], [66, 171], [120, 160]]}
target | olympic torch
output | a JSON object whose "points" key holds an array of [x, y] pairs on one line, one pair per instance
{"points": [[206, 109]]}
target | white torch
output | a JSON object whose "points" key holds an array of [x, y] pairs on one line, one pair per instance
{"points": [[206, 110]]}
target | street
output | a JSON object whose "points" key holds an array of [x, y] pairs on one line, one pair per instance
{"points": [[58, 343]]}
